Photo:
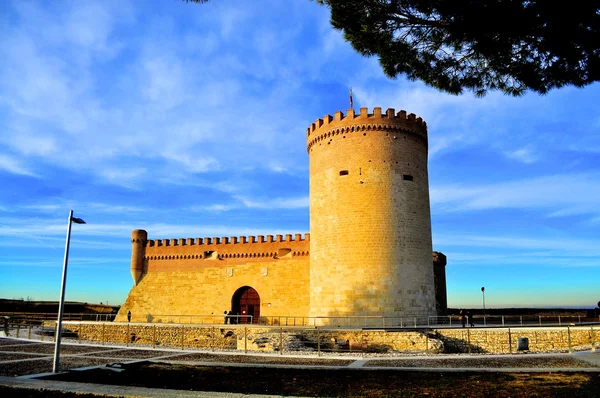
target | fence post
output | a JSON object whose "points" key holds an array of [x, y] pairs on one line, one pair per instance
{"points": [[415, 321], [153, 336], [521, 317], [281, 341], [559, 323], [509, 341], [182, 337], [245, 339], [79, 335], [469, 341], [569, 339], [426, 342], [540, 319], [103, 334], [592, 338], [450, 320], [502, 320], [579, 318], [42, 335], [318, 343], [29, 332], [127, 338]]}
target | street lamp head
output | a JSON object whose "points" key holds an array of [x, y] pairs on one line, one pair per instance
{"points": [[77, 220], [483, 288]]}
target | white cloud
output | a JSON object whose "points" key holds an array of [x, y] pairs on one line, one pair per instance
{"points": [[14, 166], [558, 193], [525, 155], [560, 251], [277, 203], [254, 203]]}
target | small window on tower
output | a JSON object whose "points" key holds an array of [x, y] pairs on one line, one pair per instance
{"points": [[407, 177], [344, 172]]}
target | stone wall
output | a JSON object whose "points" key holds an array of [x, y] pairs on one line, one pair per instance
{"points": [[275, 339], [175, 288]]}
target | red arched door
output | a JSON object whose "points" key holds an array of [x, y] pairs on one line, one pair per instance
{"points": [[246, 302]]}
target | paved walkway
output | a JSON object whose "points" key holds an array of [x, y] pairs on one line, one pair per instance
{"points": [[36, 357]]}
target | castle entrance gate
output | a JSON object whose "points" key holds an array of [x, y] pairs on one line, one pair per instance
{"points": [[246, 302]]}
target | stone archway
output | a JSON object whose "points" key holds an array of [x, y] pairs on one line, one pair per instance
{"points": [[246, 302]]}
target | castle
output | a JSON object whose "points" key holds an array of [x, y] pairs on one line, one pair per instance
{"points": [[369, 250]]}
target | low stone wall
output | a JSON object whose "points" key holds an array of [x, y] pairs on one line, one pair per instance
{"points": [[505, 340], [275, 339], [184, 336]]}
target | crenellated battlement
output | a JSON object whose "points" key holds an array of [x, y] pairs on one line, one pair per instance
{"points": [[390, 121], [228, 241], [228, 247]]}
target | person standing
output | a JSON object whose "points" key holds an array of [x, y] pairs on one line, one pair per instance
{"points": [[226, 316], [128, 316], [470, 319], [463, 318]]}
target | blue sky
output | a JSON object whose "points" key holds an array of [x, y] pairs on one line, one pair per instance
{"points": [[189, 121]]}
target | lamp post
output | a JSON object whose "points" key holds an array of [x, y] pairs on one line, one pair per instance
{"points": [[56, 365], [483, 296]]}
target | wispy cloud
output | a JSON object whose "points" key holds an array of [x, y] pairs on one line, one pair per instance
{"points": [[255, 203], [525, 155], [554, 193], [14, 166]]}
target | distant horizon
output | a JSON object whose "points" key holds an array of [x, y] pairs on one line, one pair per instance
{"points": [[583, 307]]}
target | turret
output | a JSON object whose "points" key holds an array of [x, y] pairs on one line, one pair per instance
{"points": [[138, 251]]}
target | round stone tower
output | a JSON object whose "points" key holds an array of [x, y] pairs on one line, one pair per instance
{"points": [[138, 248], [370, 224]]}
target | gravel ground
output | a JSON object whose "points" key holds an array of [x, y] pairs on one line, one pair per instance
{"points": [[475, 362], [10, 356], [46, 348], [45, 366], [257, 359], [134, 354], [13, 342]]}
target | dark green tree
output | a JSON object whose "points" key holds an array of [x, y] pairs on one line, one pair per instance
{"points": [[477, 45]]}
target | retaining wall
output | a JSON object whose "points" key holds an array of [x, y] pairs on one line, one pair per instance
{"points": [[276, 339]]}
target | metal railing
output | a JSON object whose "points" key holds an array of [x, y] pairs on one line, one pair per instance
{"points": [[371, 322], [511, 320], [361, 322], [279, 339], [47, 316]]}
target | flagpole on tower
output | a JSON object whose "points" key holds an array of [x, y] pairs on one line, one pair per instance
{"points": [[351, 103]]}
